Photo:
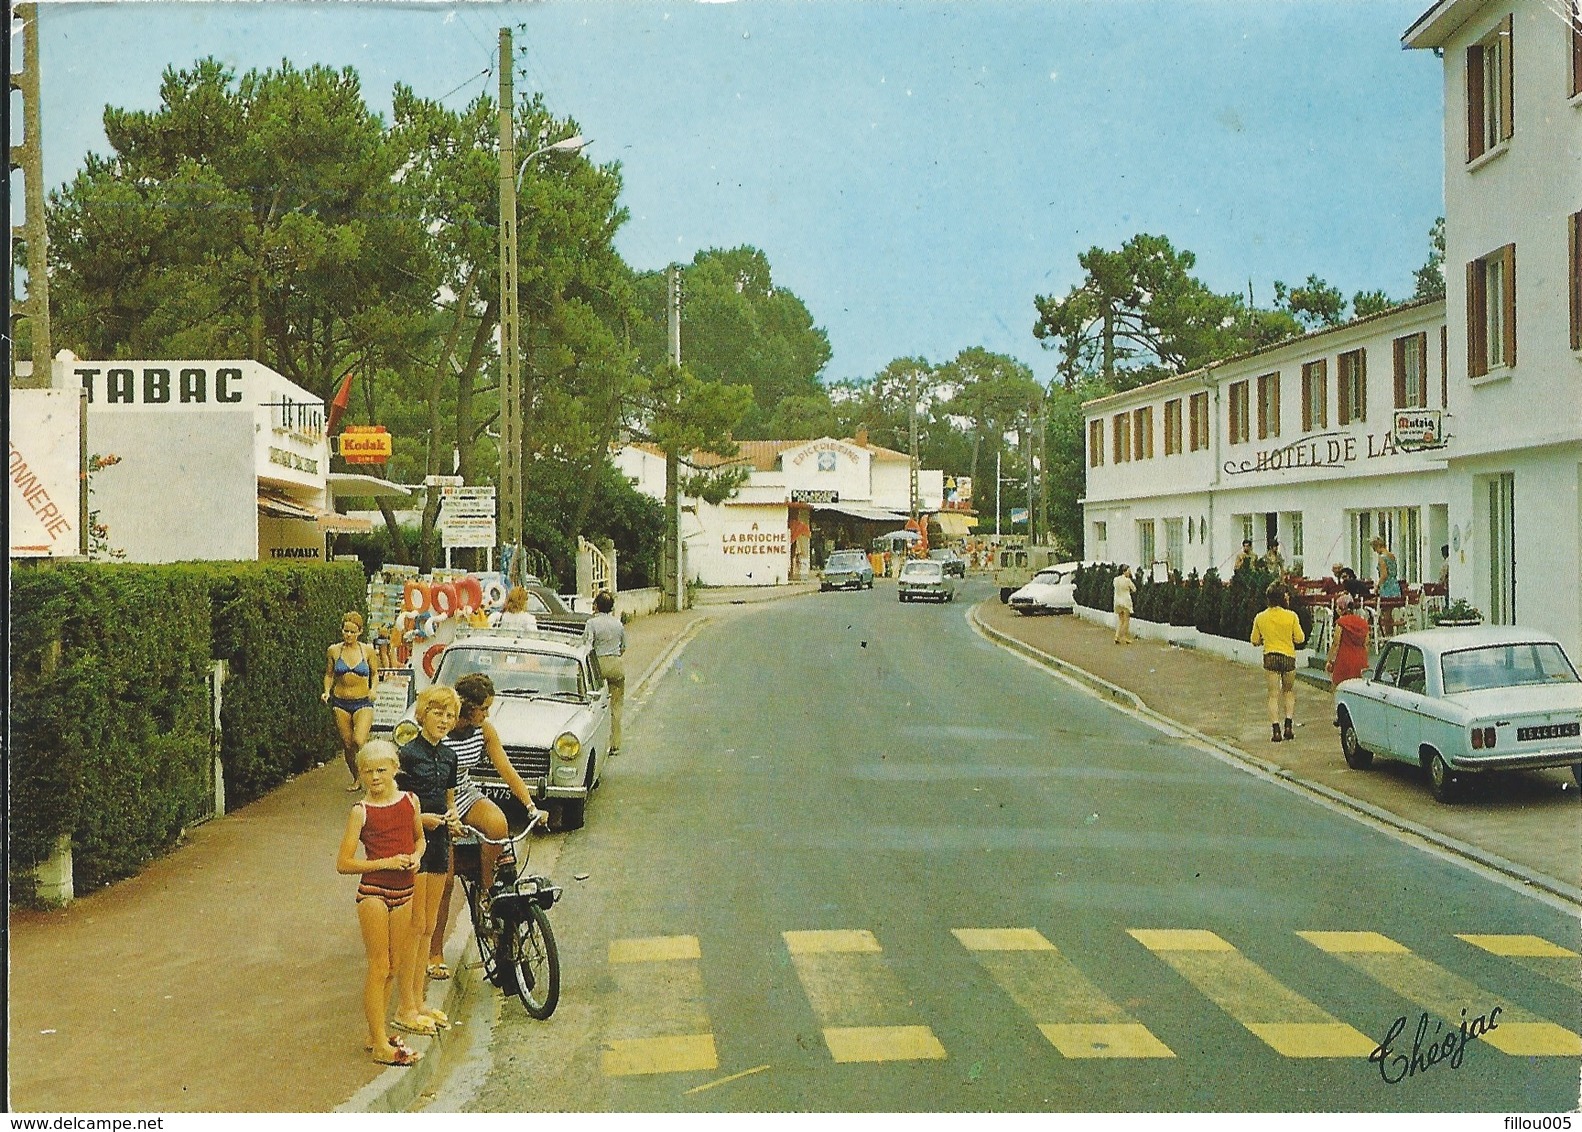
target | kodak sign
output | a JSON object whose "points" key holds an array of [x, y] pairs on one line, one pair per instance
{"points": [[365, 444]]}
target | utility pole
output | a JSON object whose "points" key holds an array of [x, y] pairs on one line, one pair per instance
{"points": [[510, 507], [671, 567], [1043, 467], [1027, 450], [29, 157], [998, 451], [916, 495]]}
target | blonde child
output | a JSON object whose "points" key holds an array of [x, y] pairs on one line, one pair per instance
{"points": [[386, 824]]}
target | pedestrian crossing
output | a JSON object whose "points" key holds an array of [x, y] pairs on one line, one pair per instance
{"points": [[867, 1011]]}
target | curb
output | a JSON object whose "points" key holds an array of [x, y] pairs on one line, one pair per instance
{"points": [[1281, 775]]}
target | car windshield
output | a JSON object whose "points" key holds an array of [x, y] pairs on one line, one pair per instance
{"points": [[515, 671], [1506, 666], [1047, 577], [921, 570], [845, 561], [942, 555]]}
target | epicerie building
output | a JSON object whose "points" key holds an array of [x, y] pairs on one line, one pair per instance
{"points": [[800, 499], [1453, 423], [214, 460]]}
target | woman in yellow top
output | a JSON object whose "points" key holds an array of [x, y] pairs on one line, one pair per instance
{"points": [[1279, 631]]}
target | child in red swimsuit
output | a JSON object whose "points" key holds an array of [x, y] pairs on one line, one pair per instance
{"points": [[387, 825]]}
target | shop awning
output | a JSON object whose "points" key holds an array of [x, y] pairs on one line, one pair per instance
{"points": [[349, 484], [858, 511], [955, 524], [278, 506]]}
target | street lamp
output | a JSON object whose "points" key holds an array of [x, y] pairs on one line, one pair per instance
{"points": [[574, 144]]}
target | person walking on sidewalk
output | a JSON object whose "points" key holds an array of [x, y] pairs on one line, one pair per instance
{"points": [[386, 824], [609, 641], [1124, 588], [1348, 651], [1279, 631], [351, 678], [1389, 584], [428, 769]]}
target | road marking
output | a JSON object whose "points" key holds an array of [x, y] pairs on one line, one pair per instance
{"points": [[1278, 1016], [655, 949], [1075, 1016], [725, 1080], [1454, 999], [1535, 954], [863, 1010], [659, 1024]]}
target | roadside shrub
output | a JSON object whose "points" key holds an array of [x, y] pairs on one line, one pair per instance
{"points": [[1210, 601], [1183, 610]]}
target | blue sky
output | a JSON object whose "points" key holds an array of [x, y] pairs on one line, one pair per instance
{"points": [[916, 172]]}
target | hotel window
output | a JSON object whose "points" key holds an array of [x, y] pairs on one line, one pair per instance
{"points": [[1351, 382], [1491, 311], [1315, 395], [1143, 434], [1173, 551], [1489, 91], [1122, 437], [1095, 443], [1411, 376], [1173, 427], [1101, 532], [1145, 545], [1268, 405], [1293, 524], [1239, 430], [1197, 411], [1574, 236]]}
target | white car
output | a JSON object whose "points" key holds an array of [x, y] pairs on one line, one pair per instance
{"points": [[922, 578], [551, 708], [1052, 590], [1465, 701]]}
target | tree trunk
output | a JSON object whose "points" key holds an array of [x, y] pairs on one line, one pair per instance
{"points": [[398, 547]]}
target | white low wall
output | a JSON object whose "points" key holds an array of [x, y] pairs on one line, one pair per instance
{"points": [[1188, 637], [637, 603]]}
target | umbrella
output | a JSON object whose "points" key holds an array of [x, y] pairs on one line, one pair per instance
{"points": [[904, 536]]}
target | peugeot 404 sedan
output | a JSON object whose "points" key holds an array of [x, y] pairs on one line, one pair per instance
{"points": [[1466, 701]]}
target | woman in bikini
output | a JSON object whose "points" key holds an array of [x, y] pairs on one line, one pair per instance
{"points": [[351, 678], [387, 825]]}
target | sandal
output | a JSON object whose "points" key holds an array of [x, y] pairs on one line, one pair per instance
{"points": [[421, 1029], [437, 1016], [404, 1058], [438, 971], [395, 1041]]}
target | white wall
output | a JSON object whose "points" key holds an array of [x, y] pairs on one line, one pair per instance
{"points": [[735, 545]]}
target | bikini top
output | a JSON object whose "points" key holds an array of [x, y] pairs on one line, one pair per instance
{"points": [[361, 668]]}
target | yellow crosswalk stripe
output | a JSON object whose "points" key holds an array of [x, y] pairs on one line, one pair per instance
{"points": [[1278, 1016], [1535, 954], [862, 1008], [1449, 996], [1069, 1010], [661, 1025]]}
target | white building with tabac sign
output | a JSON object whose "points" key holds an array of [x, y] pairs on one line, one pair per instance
{"points": [[1320, 443], [800, 498], [217, 460]]}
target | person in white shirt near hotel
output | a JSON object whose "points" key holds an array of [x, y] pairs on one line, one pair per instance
{"points": [[609, 641], [1124, 588]]}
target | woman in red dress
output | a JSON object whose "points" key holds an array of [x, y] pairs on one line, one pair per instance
{"points": [[1348, 654]]}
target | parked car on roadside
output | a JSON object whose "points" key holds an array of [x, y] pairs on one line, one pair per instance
{"points": [[924, 578], [551, 708], [846, 569], [1463, 702], [1052, 590], [955, 565], [550, 611]]}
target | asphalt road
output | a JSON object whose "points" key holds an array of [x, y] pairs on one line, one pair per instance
{"points": [[856, 858]]}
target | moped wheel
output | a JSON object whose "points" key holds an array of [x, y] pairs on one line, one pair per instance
{"points": [[532, 961]]}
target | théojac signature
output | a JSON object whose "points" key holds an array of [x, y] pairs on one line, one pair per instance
{"points": [[1395, 1066]]}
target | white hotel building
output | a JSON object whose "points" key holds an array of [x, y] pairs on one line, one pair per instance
{"points": [[1301, 441]]}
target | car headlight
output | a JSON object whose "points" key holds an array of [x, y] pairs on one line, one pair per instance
{"points": [[404, 733], [568, 746]]}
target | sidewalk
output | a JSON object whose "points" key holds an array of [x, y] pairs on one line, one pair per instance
{"points": [[227, 976], [1527, 826]]}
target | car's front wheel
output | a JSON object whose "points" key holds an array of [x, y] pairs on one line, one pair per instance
{"points": [[1442, 781], [1357, 758]]}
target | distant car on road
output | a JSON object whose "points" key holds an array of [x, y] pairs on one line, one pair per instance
{"points": [[551, 708], [1052, 590], [1466, 701], [549, 611], [954, 563], [924, 578], [846, 569]]}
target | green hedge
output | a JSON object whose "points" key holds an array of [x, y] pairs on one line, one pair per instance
{"points": [[272, 623], [109, 699], [1225, 609]]}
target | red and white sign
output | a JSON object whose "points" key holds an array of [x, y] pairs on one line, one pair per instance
{"points": [[45, 469]]}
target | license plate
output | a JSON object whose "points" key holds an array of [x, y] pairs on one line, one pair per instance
{"points": [[1548, 731]]}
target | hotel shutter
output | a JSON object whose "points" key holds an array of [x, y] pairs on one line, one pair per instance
{"points": [[1477, 303], [1576, 48], [1444, 367], [1400, 373], [1507, 81], [1474, 102], [1574, 233], [1508, 299]]}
